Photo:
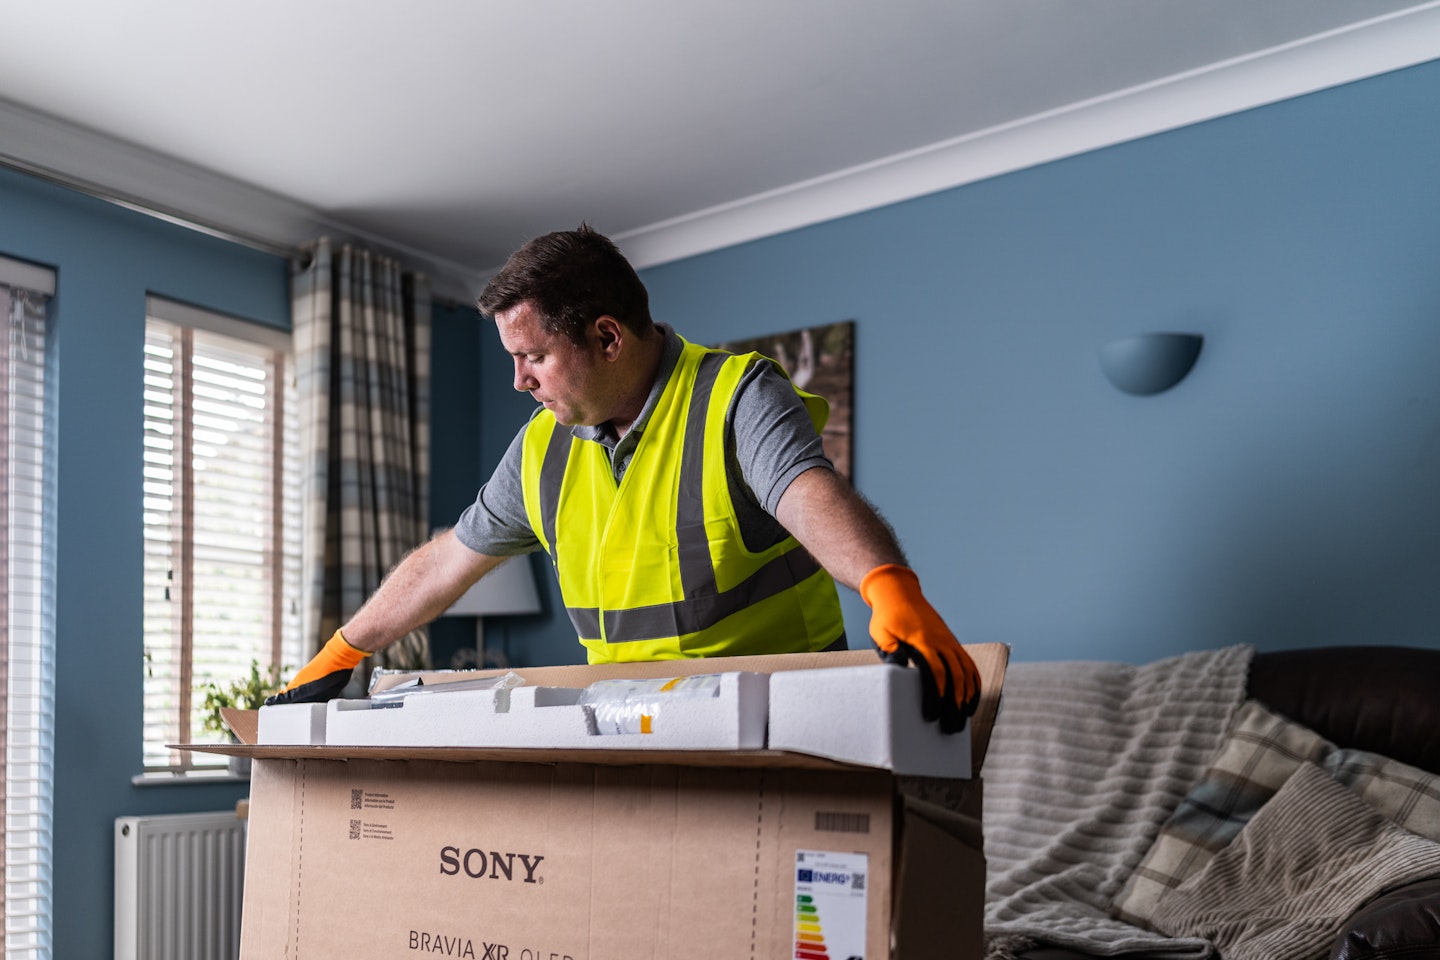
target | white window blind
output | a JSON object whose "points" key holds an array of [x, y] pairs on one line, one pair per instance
{"points": [[221, 514], [26, 615]]}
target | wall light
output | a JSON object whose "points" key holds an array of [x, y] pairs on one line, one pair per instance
{"points": [[1151, 362], [507, 590]]}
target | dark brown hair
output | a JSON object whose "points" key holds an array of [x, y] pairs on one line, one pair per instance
{"points": [[571, 277]]}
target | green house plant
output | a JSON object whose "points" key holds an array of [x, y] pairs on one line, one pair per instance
{"points": [[247, 693]]}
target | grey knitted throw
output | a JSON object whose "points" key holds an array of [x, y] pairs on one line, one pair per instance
{"points": [[1086, 761]]}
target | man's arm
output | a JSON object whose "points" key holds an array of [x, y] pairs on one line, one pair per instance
{"points": [[420, 588], [858, 548], [840, 529]]}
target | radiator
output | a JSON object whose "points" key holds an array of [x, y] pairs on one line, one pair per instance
{"points": [[178, 881]]}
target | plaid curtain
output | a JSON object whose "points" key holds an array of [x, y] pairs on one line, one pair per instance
{"points": [[362, 356]]}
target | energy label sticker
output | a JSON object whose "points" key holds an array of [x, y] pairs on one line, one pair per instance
{"points": [[830, 905]]}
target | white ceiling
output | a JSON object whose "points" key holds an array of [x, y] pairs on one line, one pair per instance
{"points": [[451, 130]]}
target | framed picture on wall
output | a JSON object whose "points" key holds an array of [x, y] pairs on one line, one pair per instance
{"points": [[820, 360]]}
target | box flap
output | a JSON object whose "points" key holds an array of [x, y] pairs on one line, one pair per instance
{"points": [[276, 806], [991, 660], [244, 725], [940, 884]]}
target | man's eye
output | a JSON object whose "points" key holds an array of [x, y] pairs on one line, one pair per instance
{"points": [[535, 357]]}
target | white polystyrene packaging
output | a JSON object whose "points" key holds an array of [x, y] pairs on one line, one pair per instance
{"points": [[868, 715]]}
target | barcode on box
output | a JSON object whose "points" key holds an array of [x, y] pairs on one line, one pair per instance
{"points": [[354, 829], [355, 796], [832, 821], [857, 881]]}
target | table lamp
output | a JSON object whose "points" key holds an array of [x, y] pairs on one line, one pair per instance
{"points": [[506, 590]]}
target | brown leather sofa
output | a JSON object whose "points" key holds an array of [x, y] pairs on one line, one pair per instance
{"points": [[1378, 698]]}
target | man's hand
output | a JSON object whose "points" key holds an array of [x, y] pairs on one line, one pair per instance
{"points": [[908, 630], [323, 678]]}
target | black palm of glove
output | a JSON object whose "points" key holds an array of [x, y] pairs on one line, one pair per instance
{"points": [[907, 630], [935, 703], [320, 690], [322, 679]]}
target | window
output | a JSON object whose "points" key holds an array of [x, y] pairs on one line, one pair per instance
{"points": [[27, 685], [222, 517]]}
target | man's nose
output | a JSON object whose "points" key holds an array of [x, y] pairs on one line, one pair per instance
{"points": [[523, 381]]}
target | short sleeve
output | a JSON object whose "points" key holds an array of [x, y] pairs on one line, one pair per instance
{"points": [[774, 439], [496, 523]]}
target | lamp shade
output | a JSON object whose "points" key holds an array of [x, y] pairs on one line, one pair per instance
{"points": [[1149, 363], [507, 589]]}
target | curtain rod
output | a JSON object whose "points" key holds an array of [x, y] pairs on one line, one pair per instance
{"points": [[152, 210]]}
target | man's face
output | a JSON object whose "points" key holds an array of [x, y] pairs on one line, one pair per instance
{"points": [[566, 378]]}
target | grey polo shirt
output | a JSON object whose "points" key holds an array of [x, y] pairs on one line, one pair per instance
{"points": [[769, 441]]}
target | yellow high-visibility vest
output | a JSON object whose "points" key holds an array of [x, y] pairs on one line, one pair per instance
{"points": [[655, 568]]}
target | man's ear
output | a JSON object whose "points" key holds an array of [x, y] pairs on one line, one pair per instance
{"points": [[610, 335]]}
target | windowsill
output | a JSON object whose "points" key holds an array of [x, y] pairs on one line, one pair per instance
{"points": [[160, 778]]}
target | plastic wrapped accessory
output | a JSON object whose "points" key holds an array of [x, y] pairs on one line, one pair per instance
{"points": [[634, 706], [397, 694]]}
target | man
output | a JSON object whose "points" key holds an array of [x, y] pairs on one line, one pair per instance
{"points": [[681, 493]]}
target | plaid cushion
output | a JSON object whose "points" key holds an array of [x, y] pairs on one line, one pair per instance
{"points": [[1406, 795], [1262, 751]]}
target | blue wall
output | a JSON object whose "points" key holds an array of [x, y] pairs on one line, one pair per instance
{"points": [[1287, 493], [107, 259], [474, 402], [471, 375]]}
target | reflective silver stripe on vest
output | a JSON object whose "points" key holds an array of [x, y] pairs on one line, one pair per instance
{"points": [[697, 573], [694, 614], [704, 605], [586, 620], [552, 472], [587, 627]]}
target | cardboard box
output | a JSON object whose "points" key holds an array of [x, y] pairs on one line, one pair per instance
{"points": [[521, 854]]}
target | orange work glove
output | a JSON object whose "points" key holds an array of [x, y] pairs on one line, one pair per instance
{"points": [[324, 676], [908, 630]]}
